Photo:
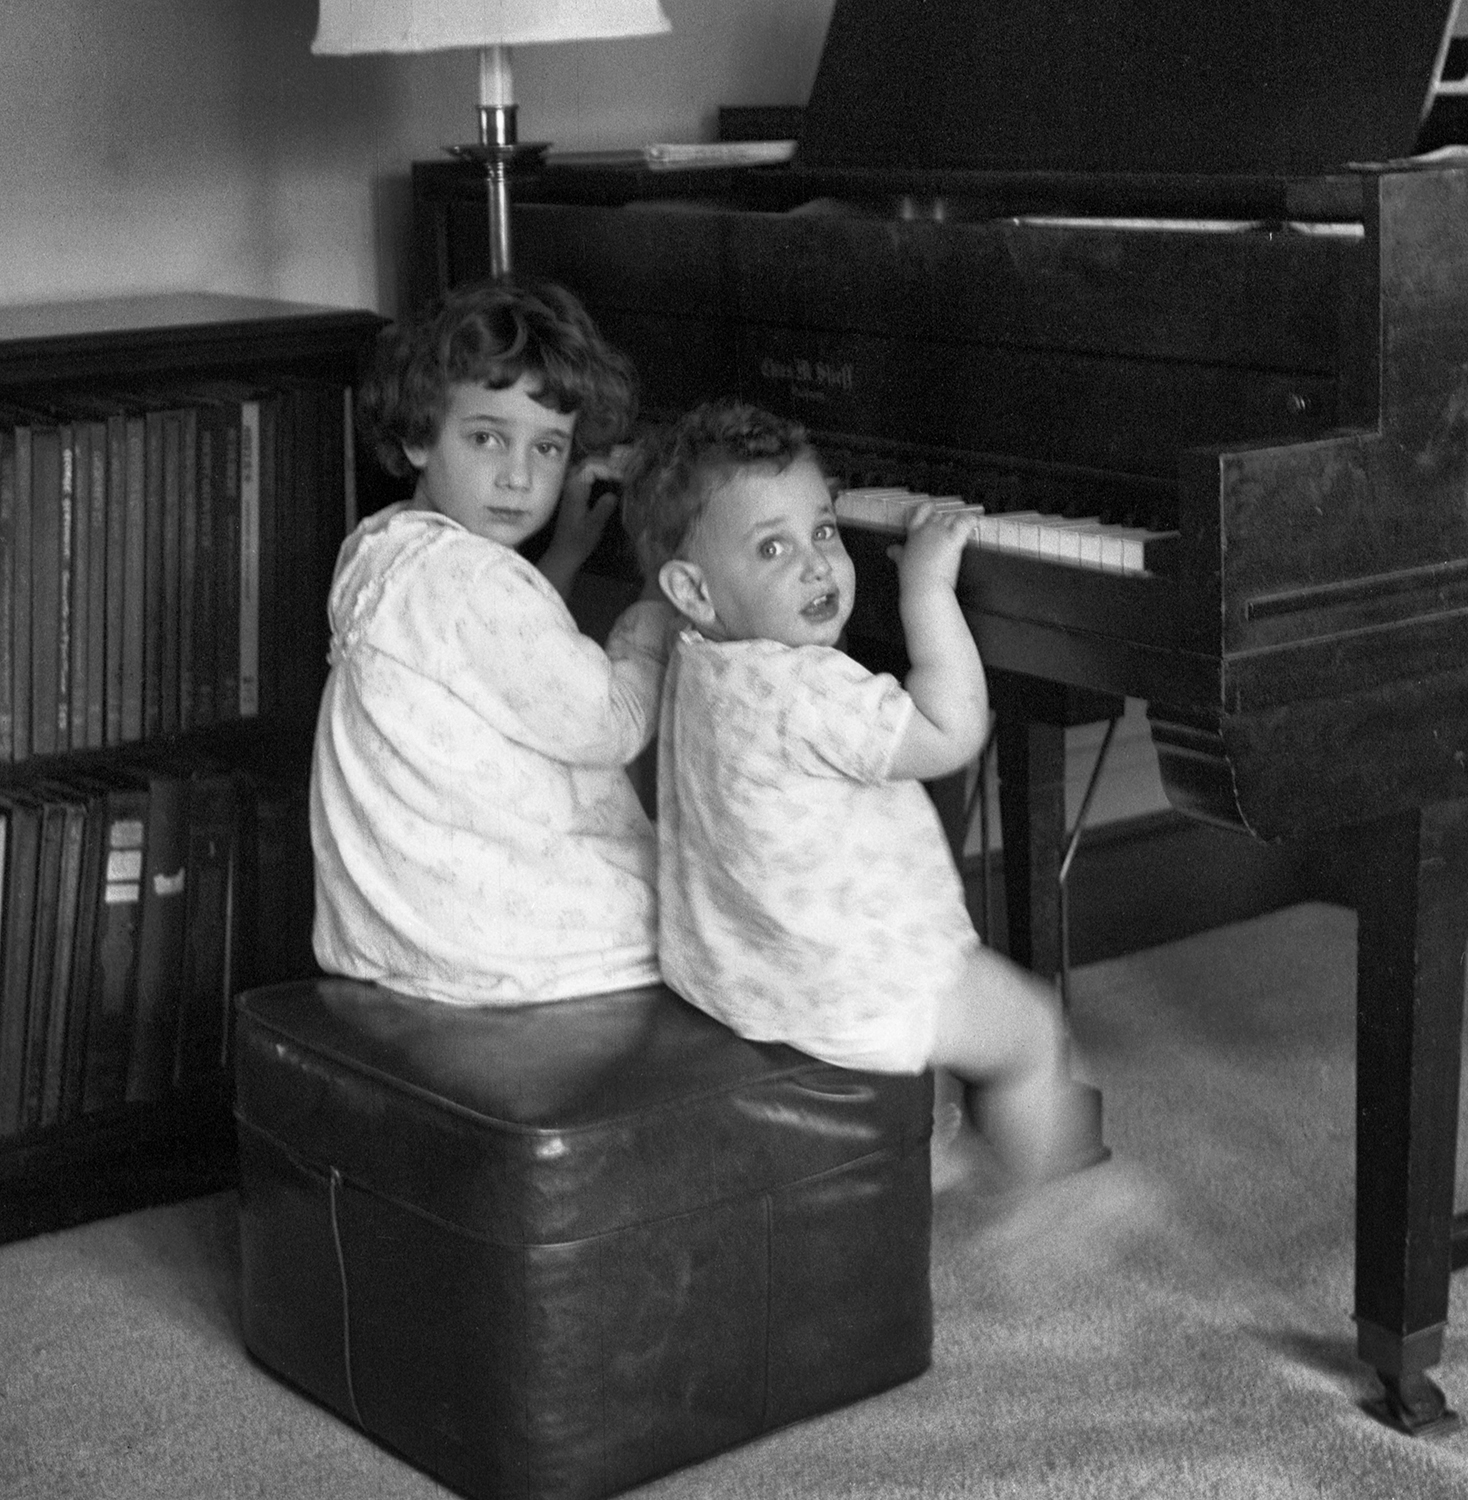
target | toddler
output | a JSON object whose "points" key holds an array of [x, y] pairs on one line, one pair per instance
{"points": [[807, 892], [476, 837]]}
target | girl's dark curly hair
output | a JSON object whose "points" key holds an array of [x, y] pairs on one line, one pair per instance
{"points": [[492, 334], [676, 471]]}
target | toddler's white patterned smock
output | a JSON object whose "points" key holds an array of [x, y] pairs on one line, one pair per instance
{"points": [[804, 897]]}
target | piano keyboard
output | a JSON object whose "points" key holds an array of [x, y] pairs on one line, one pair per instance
{"points": [[1085, 542]]}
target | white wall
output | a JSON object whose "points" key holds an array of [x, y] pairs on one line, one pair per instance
{"points": [[150, 145]]}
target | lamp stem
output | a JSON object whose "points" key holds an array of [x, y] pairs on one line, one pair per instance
{"points": [[498, 134], [497, 189]]}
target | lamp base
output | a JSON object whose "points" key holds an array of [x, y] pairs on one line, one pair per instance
{"points": [[500, 161]]}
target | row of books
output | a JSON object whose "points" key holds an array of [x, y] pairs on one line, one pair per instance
{"points": [[137, 896], [154, 546]]}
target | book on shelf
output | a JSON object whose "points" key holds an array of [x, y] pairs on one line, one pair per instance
{"points": [[90, 795], [169, 582], [7, 589], [5, 849], [60, 500], [49, 524], [211, 925], [43, 961], [22, 852], [62, 1019], [94, 719], [252, 459], [218, 598], [20, 597], [70, 808], [227, 561], [160, 931], [80, 582], [248, 413], [110, 987], [275, 411], [187, 564], [208, 585], [346, 416], [115, 606], [154, 553], [134, 572]]}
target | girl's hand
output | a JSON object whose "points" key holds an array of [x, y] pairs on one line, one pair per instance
{"points": [[580, 521]]}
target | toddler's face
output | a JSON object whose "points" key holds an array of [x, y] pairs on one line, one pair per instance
{"points": [[773, 564], [498, 462]]}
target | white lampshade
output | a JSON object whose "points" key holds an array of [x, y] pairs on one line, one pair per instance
{"points": [[493, 27], [352, 26]]}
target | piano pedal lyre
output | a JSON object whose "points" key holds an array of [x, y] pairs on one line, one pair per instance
{"points": [[978, 806]]}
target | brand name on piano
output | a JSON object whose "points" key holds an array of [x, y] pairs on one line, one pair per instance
{"points": [[811, 378]]}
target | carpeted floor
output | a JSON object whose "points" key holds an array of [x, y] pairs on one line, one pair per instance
{"points": [[1175, 1323]]}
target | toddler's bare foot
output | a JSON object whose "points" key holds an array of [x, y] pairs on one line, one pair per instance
{"points": [[1078, 1143], [1042, 1128], [956, 1156]]}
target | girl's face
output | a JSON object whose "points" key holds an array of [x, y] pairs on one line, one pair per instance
{"points": [[770, 560], [498, 462]]}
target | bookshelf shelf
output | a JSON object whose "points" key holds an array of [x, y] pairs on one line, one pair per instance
{"points": [[176, 473]]}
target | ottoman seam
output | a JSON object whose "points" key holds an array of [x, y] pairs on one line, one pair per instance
{"points": [[769, 1214], [765, 1190], [335, 1182], [395, 1082]]}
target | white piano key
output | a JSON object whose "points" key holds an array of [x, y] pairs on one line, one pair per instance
{"points": [[875, 506], [1089, 538], [1017, 531], [1061, 538], [1141, 548]]}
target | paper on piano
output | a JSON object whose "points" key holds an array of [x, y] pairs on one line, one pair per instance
{"points": [[680, 156]]}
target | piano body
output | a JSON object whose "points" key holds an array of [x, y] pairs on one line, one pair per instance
{"points": [[1172, 266]]}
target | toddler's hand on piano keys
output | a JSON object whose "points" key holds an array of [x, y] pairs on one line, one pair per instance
{"points": [[930, 556]]}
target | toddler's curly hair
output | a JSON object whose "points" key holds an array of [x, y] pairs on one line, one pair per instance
{"points": [[492, 334], [676, 471]]}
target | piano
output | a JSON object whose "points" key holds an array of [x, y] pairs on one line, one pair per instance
{"points": [[1186, 269]]}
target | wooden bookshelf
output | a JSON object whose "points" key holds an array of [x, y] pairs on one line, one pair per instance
{"points": [[228, 607]]}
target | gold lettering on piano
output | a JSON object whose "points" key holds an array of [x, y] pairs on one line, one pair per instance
{"points": [[809, 379]]}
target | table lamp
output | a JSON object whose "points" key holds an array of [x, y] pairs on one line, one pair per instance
{"points": [[493, 27]]}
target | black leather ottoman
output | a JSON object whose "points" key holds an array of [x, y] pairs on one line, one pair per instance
{"points": [[556, 1250]]}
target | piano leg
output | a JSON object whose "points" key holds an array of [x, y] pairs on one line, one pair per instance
{"points": [[1031, 758], [1033, 716], [1412, 910]]}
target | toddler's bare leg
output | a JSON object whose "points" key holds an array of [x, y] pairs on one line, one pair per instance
{"points": [[1000, 1030]]}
